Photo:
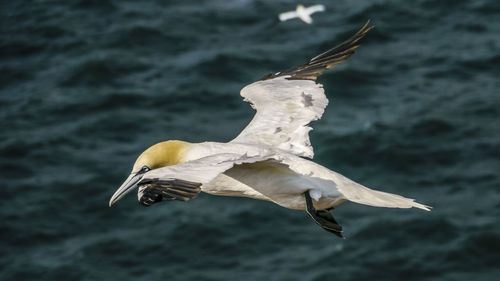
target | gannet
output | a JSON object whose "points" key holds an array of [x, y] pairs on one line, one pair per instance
{"points": [[302, 13], [270, 159]]}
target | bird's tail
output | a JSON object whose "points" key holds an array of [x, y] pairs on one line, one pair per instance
{"points": [[360, 194]]}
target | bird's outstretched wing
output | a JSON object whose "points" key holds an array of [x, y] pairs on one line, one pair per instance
{"points": [[184, 181], [288, 15], [315, 8], [286, 102]]}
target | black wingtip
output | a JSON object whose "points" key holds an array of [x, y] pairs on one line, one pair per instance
{"points": [[326, 60], [322, 217], [156, 190]]}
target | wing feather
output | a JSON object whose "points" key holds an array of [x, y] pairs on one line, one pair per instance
{"points": [[284, 108], [286, 102], [201, 170], [315, 8], [326, 60], [183, 181], [287, 15]]}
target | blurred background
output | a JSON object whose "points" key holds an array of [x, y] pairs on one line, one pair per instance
{"points": [[86, 86]]}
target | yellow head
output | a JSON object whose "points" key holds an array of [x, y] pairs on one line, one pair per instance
{"points": [[162, 154]]}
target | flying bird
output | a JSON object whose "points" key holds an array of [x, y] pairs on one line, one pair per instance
{"points": [[269, 159], [302, 13]]}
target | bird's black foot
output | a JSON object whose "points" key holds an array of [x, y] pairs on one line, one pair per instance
{"points": [[155, 190], [323, 217]]}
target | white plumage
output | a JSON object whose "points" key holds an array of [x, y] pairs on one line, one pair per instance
{"points": [[284, 110], [302, 13], [267, 160]]}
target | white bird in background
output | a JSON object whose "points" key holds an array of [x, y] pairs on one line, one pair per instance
{"points": [[268, 159], [302, 13]]}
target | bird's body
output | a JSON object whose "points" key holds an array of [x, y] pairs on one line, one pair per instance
{"points": [[268, 159], [266, 173], [270, 179]]}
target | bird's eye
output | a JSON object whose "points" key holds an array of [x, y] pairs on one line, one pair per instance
{"points": [[145, 169]]}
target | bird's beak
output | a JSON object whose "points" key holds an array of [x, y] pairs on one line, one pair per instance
{"points": [[127, 186]]}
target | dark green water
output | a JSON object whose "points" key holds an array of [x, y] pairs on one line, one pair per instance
{"points": [[86, 86]]}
